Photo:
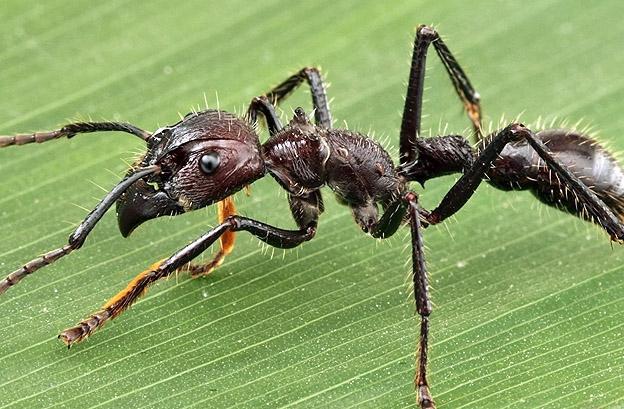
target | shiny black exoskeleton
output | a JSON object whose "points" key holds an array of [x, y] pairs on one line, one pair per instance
{"points": [[303, 158], [210, 155]]}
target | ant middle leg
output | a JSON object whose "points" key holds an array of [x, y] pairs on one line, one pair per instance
{"points": [[313, 77], [395, 213]]}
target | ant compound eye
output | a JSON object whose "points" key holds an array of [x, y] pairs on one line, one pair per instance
{"points": [[209, 163]]}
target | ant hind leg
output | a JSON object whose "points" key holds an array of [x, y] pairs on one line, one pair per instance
{"points": [[412, 111]]}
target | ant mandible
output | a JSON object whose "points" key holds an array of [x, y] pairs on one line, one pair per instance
{"points": [[208, 156]]}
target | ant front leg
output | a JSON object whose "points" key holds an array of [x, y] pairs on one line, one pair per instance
{"points": [[271, 235], [412, 112], [308, 206], [225, 209], [313, 77], [303, 206], [71, 130]]}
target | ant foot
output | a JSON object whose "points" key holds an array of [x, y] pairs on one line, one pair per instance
{"points": [[424, 398]]}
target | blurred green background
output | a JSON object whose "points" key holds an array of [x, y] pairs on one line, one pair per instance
{"points": [[528, 301]]}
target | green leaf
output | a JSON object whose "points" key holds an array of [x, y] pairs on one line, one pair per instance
{"points": [[528, 301]]}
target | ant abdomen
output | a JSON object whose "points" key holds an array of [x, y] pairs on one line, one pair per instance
{"points": [[519, 167]]}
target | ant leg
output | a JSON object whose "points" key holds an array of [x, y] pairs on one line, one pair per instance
{"points": [[306, 208], [225, 209], [78, 237], [271, 235], [412, 112], [313, 77], [464, 188], [71, 130], [422, 299], [262, 105], [464, 89], [387, 225], [391, 219]]}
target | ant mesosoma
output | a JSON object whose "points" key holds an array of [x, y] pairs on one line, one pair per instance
{"points": [[210, 155]]}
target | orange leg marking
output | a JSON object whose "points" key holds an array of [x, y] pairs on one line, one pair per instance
{"points": [[474, 113], [115, 306], [121, 297], [225, 209], [137, 287]]}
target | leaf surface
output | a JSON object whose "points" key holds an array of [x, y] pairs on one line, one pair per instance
{"points": [[528, 301]]}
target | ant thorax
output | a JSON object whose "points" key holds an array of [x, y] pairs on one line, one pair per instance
{"points": [[303, 158]]}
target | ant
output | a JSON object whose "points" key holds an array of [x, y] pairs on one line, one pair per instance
{"points": [[208, 156]]}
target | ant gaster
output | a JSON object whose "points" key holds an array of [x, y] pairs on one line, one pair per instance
{"points": [[210, 155]]}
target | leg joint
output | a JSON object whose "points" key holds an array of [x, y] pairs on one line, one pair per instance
{"points": [[516, 132], [424, 310], [411, 197], [308, 71], [310, 231], [426, 33]]}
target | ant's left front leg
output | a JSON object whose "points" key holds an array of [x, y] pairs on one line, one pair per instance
{"points": [[271, 235]]}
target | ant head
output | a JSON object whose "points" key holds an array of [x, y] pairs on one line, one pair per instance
{"points": [[204, 158]]}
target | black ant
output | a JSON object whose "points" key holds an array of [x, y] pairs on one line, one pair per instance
{"points": [[210, 155]]}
